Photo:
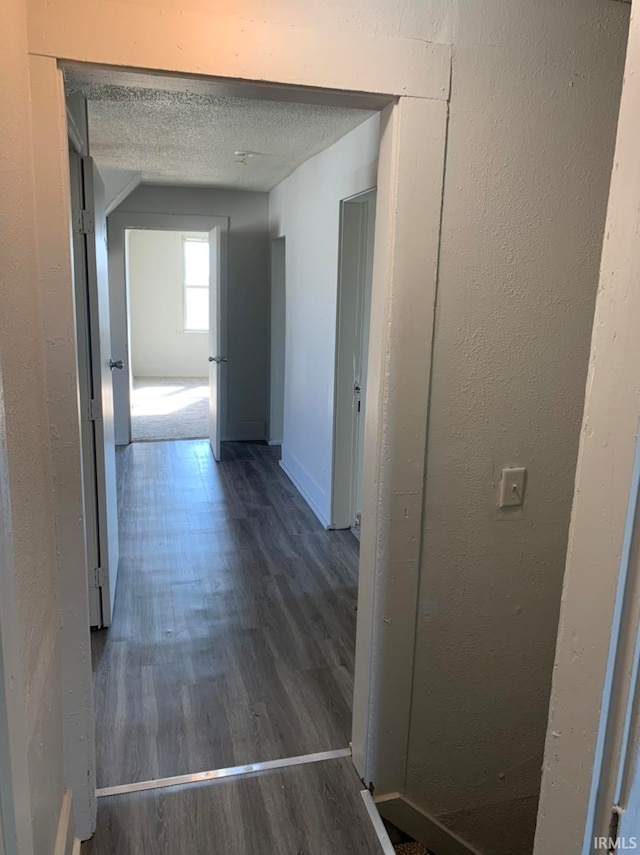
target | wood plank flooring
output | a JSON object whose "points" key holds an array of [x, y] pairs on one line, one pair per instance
{"points": [[303, 810], [234, 629]]}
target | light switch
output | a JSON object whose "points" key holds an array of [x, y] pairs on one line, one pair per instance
{"points": [[512, 487]]}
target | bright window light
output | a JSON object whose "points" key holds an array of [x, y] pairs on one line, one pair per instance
{"points": [[196, 284]]}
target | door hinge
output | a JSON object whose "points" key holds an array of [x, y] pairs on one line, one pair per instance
{"points": [[101, 577], [95, 410], [83, 222]]}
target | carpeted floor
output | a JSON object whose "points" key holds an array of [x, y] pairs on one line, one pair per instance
{"points": [[169, 408]]}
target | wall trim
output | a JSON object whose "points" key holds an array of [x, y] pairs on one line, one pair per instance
{"points": [[405, 277], [408, 817], [188, 39], [53, 251], [65, 841], [296, 475]]}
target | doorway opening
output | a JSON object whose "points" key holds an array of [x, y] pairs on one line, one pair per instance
{"points": [[167, 276], [232, 638]]}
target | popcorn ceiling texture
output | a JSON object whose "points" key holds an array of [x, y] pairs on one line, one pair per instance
{"points": [[191, 138]]}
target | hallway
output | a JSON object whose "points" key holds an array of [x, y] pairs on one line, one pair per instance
{"points": [[234, 628]]}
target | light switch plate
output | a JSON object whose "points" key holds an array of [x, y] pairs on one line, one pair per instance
{"points": [[512, 486]]}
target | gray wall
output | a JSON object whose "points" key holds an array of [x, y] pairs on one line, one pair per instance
{"points": [[25, 453], [248, 297], [532, 124]]}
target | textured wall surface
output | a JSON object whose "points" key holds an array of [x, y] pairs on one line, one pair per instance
{"points": [[159, 345], [305, 209], [27, 438], [531, 135]]}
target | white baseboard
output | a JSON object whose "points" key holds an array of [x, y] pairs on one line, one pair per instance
{"points": [[65, 841], [411, 819], [274, 442], [304, 493]]}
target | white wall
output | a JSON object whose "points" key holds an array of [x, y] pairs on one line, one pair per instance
{"points": [[26, 499], [597, 637], [305, 208], [159, 345], [532, 125], [248, 296]]}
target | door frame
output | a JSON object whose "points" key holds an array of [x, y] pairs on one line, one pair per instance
{"points": [[16, 834], [277, 304], [345, 423], [413, 95], [86, 378], [117, 226]]}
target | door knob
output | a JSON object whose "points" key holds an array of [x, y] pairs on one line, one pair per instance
{"points": [[218, 359], [116, 363]]}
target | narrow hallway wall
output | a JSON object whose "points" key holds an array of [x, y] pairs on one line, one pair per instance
{"points": [[305, 209]]}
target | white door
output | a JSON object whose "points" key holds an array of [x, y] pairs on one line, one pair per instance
{"points": [[217, 336], [93, 224], [355, 270]]}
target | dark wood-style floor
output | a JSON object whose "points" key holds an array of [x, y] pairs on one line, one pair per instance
{"points": [[315, 809], [234, 628]]}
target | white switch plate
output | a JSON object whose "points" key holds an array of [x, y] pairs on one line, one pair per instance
{"points": [[512, 487]]}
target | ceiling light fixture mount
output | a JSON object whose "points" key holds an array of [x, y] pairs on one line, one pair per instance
{"points": [[244, 156]]}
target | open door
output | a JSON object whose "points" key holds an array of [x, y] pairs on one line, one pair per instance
{"points": [[96, 391], [355, 273], [217, 336]]}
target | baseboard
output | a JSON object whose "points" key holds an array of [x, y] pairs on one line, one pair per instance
{"points": [[65, 841], [411, 819], [305, 495], [274, 442]]}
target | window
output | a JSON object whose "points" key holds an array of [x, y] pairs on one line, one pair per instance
{"points": [[196, 284]]}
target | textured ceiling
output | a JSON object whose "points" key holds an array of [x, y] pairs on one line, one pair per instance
{"points": [[190, 137]]}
